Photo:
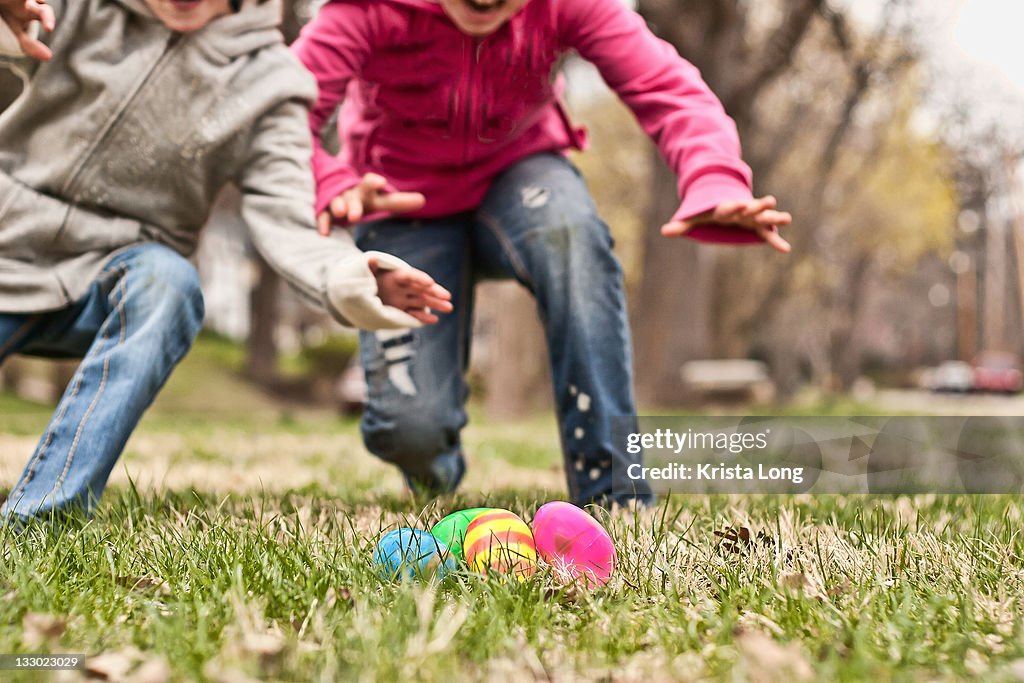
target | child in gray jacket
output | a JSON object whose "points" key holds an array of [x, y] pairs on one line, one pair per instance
{"points": [[135, 114]]}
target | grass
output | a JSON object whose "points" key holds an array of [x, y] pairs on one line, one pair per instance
{"points": [[282, 586], [235, 544]]}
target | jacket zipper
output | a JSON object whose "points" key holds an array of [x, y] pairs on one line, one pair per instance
{"points": [[70, 184], [475, 46]]}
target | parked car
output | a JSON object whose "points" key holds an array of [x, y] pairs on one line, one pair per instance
{"points": [[952, 376], [998, 372]]}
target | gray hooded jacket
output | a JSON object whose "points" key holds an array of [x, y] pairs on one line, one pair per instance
{"points": [[131, 130]]}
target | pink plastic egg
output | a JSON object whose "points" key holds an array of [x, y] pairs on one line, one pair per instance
{"points": [[574, 544]]}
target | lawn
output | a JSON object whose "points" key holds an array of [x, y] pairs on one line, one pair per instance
{"points": [[236, 543], [191, 586]]}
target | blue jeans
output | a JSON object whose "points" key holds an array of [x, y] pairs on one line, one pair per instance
{"points": [[537, 224], [138, 320]]}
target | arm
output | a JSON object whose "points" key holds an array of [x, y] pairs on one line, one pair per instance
{"points": [[277, 206], [334, 47], [674, 106]]}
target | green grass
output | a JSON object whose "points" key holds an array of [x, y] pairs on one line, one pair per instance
{"points": [[282, 586], [245, 553]]}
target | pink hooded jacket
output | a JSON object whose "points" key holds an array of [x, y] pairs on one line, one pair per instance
{"points": [[436, 111]]}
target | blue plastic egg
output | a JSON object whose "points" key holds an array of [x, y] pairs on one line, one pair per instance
{"points": [[412, 554]]}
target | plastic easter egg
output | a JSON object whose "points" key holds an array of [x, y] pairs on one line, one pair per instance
{"points": [[500, 541], [575, 545], [411, 553], [452, 529]]}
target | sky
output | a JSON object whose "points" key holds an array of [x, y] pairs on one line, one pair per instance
{"points": [[984, 33], [990, 33], [976, 52]]}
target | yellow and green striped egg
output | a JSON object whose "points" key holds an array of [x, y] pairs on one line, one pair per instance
{"points": [[500, 541]]}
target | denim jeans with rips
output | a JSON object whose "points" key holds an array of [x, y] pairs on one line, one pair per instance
{"points": [[537, 224]]}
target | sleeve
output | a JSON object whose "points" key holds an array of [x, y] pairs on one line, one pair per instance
{"points": [[277, 207], [333, 47], [674, 106]]}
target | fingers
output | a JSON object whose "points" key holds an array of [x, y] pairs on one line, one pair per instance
{"points": [[20, 21], [773, 218], [423, 315], [398, 202], [32, 47], [439, 304], [420, 291], [323, 223], [756, 206], [438, 294], [773, 238], [421, 302], [728, 212], [372, 182], [350, 208], [676, 228], [42, 13]]}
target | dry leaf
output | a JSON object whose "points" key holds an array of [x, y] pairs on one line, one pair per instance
{"points": [[263, 644], [342, 594], [153, 670], [562, 595], [793, 580], [110, 666], [226, 675], [738, 539], [772, 661], [734, 539], [41, 629], [142, 583], [840, 588]]}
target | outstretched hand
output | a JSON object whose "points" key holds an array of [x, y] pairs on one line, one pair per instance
{"points": [[19, 15], [369, 196], [411, 290], [758, 215]]}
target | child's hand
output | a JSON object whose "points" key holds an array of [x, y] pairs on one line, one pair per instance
{"points": [[412, 291], [369, 196], [758, 215], [19, 15]]}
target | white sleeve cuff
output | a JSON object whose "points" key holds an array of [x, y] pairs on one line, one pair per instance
{"points": [[9, 46], [352, 294]]}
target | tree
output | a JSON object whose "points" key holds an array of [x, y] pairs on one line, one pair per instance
{"points": [[261, 346], [738, 59]]}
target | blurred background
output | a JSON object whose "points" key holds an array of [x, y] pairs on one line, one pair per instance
{"points": [[891, 129]]}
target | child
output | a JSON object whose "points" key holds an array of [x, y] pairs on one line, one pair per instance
{"points": [[456, 103], [135, 114]]}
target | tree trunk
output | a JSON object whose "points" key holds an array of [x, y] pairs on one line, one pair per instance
{"points": [[263, 311], [673, 308], [518, 379], [671, 314], [261, 345]]}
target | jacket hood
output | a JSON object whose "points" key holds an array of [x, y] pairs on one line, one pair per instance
{"points": [[234, 35]]}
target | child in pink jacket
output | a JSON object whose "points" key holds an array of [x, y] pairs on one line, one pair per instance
{"points": [[453, 158]]}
